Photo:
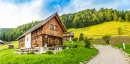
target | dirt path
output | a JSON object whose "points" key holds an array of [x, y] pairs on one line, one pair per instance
{"points": [[108, 55]]}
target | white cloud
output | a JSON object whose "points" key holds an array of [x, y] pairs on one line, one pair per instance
{"points": [[57, 7], [125, 1], [75, 6], [12, 15]]}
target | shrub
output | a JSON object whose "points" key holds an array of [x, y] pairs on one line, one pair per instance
{"points": [[74, 39], [81, 37], [75, 46], [87, 42], [30, 53], [90, 38], [119, 30], [49, 52], [106, 38]]}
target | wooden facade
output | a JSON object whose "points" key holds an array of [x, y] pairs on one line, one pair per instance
{"points": [[68, 36], [51, 33], [22, 42]]}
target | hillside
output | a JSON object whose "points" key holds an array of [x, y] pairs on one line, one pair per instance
{"points": [[83, 20], [91, 17], [107, 28], [6, 30], [15, 33]]}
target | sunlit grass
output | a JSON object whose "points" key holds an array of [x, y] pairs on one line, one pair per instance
{"points": [[66, 56], [16, 43], [127, 47], [107, 28]]}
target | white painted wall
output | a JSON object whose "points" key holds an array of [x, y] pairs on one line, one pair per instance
{"points": [[28, 43]]}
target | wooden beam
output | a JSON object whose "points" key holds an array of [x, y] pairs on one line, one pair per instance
{"points": [[61, 24]]}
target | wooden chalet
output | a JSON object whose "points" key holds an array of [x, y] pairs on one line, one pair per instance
{"points": [[2, 42], [49, 31], [67, 36]]}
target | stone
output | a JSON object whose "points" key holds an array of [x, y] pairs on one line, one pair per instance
{"points": [[45, 45], [81, 63]]}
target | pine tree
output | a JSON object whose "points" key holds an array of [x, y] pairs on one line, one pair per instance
{"points": [[120, 19], [115, 16], [127, 17]]}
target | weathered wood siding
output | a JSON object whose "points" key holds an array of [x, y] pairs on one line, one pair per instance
{"points": [[36, 37], [37, 32], [22, 42], [47, 30], [37, 40], [45, 40], [40, 33], [67, 38]]}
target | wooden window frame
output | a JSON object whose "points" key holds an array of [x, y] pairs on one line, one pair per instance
{"points": [[51, 26], [55, 27], [48, 40], [36, 41], [55, 41]]}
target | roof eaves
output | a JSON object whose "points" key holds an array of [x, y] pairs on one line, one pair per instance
{"points": [[37, 26]]}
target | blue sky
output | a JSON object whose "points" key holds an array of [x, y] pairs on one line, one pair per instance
{"points": [[17, 12]]}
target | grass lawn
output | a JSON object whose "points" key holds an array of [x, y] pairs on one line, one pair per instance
{"points": [[16, 43], [107, 28], [127, 47], [66, 56]]}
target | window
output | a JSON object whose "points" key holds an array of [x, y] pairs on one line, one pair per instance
{"points": [[56, 42], [55, 27], [27, 38], [49, 41], [51, 26], [35, 41]]}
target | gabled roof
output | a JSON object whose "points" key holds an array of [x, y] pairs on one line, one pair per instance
{"points": [[2, 41], [44, 22], [69, 34]]}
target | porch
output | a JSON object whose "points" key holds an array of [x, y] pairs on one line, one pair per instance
{"points": [[43, 39], [40, 50]]}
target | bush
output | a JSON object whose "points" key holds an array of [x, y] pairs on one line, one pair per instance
{"points": [[74, 39], [90, 38], [81, 37], [30, 53], [49, 52], [75, 46], [106, 38], [87, 42], [119, 30]]}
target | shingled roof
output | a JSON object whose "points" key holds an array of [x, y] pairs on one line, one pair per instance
{"points": [[41, 24], [2, 42]]}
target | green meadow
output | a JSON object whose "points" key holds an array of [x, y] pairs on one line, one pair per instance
{"points": [[66, 56], [73, 55], [16, 43], [127, 47], [106, 28]]}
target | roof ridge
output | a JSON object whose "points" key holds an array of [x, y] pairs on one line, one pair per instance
{"points": [[38, 25]]}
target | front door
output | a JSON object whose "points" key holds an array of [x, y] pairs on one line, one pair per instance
{"points": [[28, 41]]}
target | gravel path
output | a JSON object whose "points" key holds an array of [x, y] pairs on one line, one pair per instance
{"points": [[108, 55]]}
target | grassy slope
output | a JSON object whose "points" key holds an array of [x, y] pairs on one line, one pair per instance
{"points": [[16, 43], [113, 40], [67, 56], [107, 28], [127, 47]]}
